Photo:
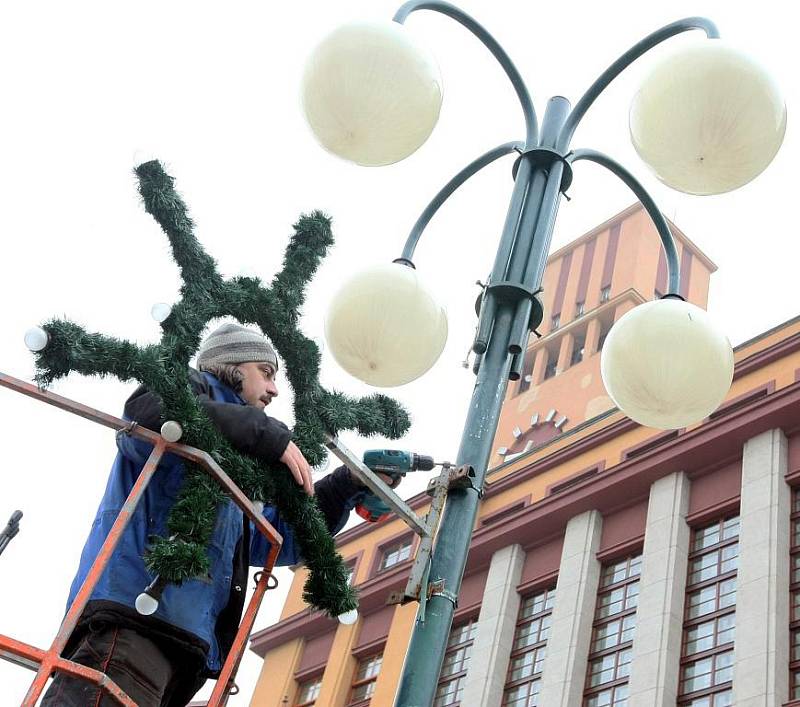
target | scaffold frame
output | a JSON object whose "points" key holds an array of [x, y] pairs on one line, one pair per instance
{"points": [[46, 662]]}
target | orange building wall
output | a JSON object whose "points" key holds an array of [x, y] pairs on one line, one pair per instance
{"points": [[277, 677]]}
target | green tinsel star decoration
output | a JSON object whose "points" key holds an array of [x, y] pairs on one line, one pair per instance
{"points": [[163, 369]]}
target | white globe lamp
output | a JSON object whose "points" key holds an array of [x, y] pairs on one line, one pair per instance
{"points": [[384, 327], [371, 93], [707, 119], [665, 365]]}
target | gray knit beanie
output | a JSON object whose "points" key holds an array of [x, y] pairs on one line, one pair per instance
{"points": [[233, 343]]}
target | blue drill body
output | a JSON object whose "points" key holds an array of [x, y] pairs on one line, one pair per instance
{"points": [[395, 463]]}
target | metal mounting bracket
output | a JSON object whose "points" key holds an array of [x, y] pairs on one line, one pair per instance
{"points": [[450, 477], [544, 157], [437, 588], [513, 292]]}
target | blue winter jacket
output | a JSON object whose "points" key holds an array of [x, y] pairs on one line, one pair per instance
{"points": [[191, 611]]}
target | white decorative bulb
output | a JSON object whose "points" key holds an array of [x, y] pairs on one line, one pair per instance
{"points": [[171, 431], [349, 617], [36, 338], [707, 119], [665, 365], [160, 311], [145, 604], [384, 327], [258, 506], [371, 93]]}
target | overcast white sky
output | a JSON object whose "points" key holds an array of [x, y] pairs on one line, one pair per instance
{"points": [[91, 88]]}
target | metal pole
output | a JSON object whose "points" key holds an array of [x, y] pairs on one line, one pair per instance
{"points": [[503, 325], [429, 639]]}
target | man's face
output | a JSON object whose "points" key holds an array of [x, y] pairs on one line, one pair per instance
{"points": [[258, 384]]}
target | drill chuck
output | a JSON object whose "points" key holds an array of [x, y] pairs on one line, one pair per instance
{"points": [[422, 462]]}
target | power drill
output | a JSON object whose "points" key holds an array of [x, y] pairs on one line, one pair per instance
{"points": [[395, 463]]}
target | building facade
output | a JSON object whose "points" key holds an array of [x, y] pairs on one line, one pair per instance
{"points": [[611, 564]]}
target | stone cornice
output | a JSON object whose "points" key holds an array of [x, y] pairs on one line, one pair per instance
{"points": [[743, 367], [762, 358], [695, 451]]}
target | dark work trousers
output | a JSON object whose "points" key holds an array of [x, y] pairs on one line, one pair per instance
{"points": [[138, 665]]}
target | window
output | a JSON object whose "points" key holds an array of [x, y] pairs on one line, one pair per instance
{"points": [[650, 444], [527, 371], [741, 401], [505, 512], [579, 309], [308, 692], [551, 361], [524, 681], [555, 322], [710, 616], [605, 294], [579, 478], [396, 553], [578, 347], [364, 680], [611, 648], [450, 689], [794, 598], [602, 338], [351, 571]]}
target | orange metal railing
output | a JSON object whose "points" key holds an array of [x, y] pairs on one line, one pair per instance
{"points": [[46, 662]]}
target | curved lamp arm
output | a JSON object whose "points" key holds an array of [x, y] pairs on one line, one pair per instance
{"points": [[531, 124], [670, 30], [667, 240], [445, 192]]}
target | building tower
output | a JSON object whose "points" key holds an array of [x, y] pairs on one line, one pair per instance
{"points": [[588, 285]]}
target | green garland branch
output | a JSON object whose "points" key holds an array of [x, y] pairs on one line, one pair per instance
{"points": [[163, 368]]}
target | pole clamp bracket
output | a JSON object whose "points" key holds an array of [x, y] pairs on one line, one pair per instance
{"points": [[513, 292], [544, 158], [463, 477], [437, 588]]}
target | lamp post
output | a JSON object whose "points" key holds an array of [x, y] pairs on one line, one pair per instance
{"points": [[720, 146]]}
